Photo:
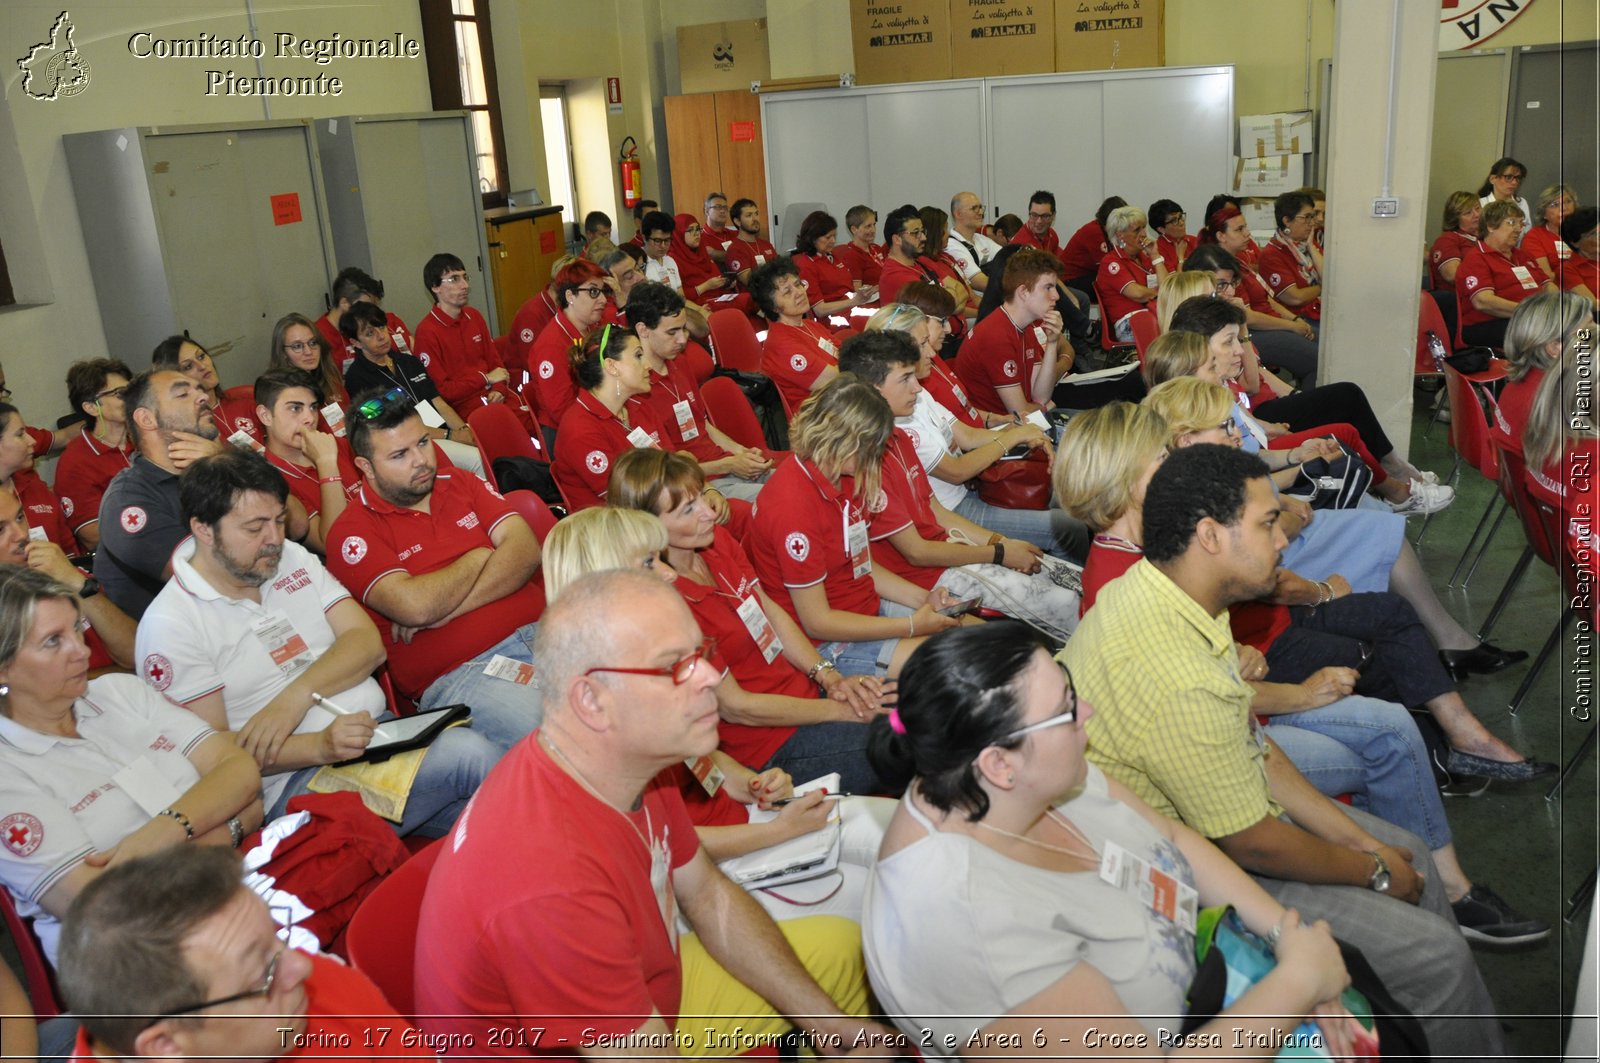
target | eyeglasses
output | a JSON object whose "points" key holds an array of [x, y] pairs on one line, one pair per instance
{"points": [[679, 670], [1067, 715], [1180, 216], [262, 990], [1223, 286], [594, 291], [1036, 215], [453, 278], [913, 232], [1229, 427], [691, 230], [1514, 178], [111, 393], [374, 407], [301, 346], [659, 241]]}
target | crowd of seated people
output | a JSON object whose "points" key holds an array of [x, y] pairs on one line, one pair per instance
{"points": [[919, 590]]}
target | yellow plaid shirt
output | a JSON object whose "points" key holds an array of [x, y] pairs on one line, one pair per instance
{"points": [[1172, 716]]}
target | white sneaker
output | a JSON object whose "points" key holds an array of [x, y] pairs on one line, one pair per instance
{"points": [[1429, 477], [1425, 498]]}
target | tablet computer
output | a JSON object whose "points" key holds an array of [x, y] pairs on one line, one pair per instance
{"points": [[410, 732]]}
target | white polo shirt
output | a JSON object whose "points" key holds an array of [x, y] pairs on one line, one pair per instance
{"points": [[64, 798], [932, 431], [971, 267], [193, 641], [663, 270]]}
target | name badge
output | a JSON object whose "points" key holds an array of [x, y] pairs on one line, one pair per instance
{"points": [[761, 260], [760, 628], [685, 417], [286, 646], [36, 535], [706, 773], [399, 339], [855, 545], [638, 437], [1170, 898], [827, 345], [512, 671], [1151, 281], [430, 416], [1523, 274], [334, 418], [150, 790], [245, 441], [1562, 250], [1039, 335]]}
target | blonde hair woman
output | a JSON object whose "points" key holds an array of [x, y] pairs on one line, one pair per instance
{"points": [[809, 545], [1114, 451], [1127, 279], [605, 537], [1185, 284], [1561, 423]]}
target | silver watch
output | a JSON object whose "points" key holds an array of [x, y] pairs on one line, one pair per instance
{"points": [[1378, 881]]}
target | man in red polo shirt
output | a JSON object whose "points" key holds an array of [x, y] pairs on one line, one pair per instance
{"points": [[1036, 230], [355, 285], [1012, 360], [717, 232], [445, 567], [748, 250], [319, 467], [455, 345]]}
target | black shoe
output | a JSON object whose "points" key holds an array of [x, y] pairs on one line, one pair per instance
{"points": [[1461, 763], [1484, 659], [1483, 915]]}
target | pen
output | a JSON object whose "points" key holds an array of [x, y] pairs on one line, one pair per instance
{"points": [[825, 797], [335, 707]]}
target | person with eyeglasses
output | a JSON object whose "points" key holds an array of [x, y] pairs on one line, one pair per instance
{"points": [[171, 956], [993, 910], [748, 249], [718, 231], [591, 943], [829, 283], [298, 344], [1037, 230], [910, 261], [1503, 185], [100, 450], [583, 294], [1495, 276], [233, 410], [1173, 724], [967, 246], [660, 234], [1285, 340], [1291, 263], [456, 346], [531, 318], [1173, 241]]}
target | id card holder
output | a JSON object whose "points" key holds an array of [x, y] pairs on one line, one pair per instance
{"points": [[706, 773], [760, 628], [1562, 250], [283, 643], [431, 417], [1151, 282], [829, 347], [1523, 274], [245, 441], [36, 535], [685, 418], [855, 547], [150, 790], [512, 671], [334, 417], [638, 437], [1039, 335], [1171, 898]]}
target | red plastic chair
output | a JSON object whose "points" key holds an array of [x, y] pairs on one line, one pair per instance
{"points": [[36, 972], [1145, 331], [399, 704], [730, 411], [382, 936], [1469, 424], [698, 361], [733, 341], [500, 435], [1429, 319], [534, 511], [1107, 339], [1544, 539]]}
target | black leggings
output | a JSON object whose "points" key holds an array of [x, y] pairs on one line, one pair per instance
{"points": [[1343, 402], [1490, 333]]}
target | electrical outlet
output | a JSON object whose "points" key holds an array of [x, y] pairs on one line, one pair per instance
{"points": [[1385, 207]]}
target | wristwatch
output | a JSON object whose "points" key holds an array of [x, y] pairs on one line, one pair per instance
{"points": [[90, 588], [1378, 881]]}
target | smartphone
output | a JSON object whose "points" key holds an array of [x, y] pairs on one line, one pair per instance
{"points": [[966, 605], [1017, 452]]}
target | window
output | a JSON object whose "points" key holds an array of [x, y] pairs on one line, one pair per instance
{"points": [[558, 149], [461, 76]]}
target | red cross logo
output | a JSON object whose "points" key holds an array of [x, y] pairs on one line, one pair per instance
{"points": [[158, 671], [133, 519], [21, 833], [353, 550]]}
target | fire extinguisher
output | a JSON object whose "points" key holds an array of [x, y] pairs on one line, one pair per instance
{"points": [[628, 168]]}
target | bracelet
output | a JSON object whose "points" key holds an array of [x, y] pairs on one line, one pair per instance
{"points": [[999, 553], [913, 621], [172, 813], [1324, 593], [822, 662], [816, 673], [236, 830]]}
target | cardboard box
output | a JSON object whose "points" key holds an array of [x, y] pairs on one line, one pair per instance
{"points": [[723, 56], [993, 38], [1258, 212], [1109, 34], [1271, 176], [1284, 133], [900, 40]]}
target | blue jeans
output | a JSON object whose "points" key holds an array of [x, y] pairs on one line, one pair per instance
{"points": [[819, 748], [452, 767], [1371, 750], [502, 711], [865, 658], [1052, 530]]}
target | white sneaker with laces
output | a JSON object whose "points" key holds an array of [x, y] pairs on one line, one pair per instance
{"points": [[1425, 498]]}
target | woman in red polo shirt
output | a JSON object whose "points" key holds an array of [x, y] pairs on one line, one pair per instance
{"points": [[1285, 341], [1543, 242], [1581, 272], [1460, 235], [296, 344], [831, 285], [608, 417], [1495, 276], [1128, 279], [1562, 445], [863, 255], [1535, 338], [43, 508], [799, 353]]}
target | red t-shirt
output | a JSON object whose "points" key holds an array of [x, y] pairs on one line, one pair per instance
{"points": [[1453, 244], [1085, 248], [896, 275], [1117, 271], [238, 414], [999, 355], [1107, 560], [83, 472], [716, 610], [1579, 270], [1048, 242], [303, 480], [827, 279], [907, 501], [541, 910], [1516, 402], [590, 439], [1281, 269], [866, 266], [341, 350], [44, 509], [798, 539], [550, 363], [1484, 270], [1253, 290], [1250, 255], [947, 391], [532, 319], [1168, 252], [674, 400], [794, 356], [457, 352], [346, 1017], [716, 239], [373, 538], [1539, 242], [742, 254]]}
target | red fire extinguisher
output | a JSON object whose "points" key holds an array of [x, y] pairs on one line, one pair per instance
{"points": [[628, 168]]}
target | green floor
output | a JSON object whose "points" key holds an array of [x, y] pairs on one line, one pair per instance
{"points": [[1534, 852]]}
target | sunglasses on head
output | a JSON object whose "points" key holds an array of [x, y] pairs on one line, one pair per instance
{"points": [[373, 408]]}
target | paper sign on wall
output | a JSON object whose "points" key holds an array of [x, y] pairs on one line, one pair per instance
{"points": [[549, 241], [286, 208], [614, 95], [741, 131]]}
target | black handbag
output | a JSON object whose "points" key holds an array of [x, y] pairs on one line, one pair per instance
{"points": [[1336, 484]]}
